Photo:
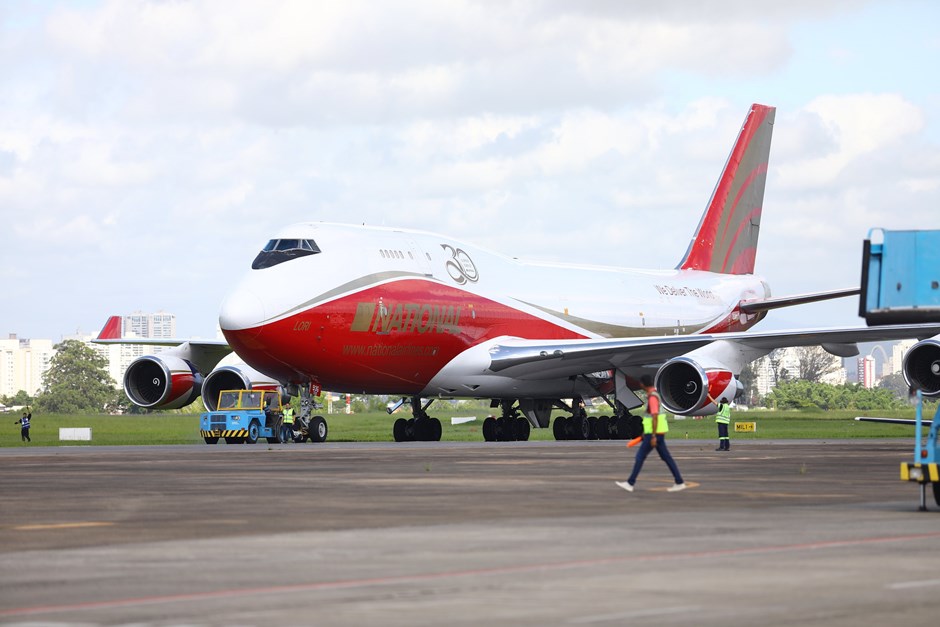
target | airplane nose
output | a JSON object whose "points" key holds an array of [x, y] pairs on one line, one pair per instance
{"points": [[242, 311]]}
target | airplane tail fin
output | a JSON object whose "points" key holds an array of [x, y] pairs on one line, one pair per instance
{"points": [[111, 329], [726, 238]]}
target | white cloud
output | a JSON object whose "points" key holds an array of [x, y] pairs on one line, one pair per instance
{"points": [[169, 137]]}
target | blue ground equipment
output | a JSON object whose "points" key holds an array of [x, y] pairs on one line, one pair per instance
{"points": [[900, 285], [924, 469], [900, 277]]}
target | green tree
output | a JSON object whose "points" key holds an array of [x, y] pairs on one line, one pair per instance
{"points": [[76, 381], [748, 379], [20, 398], [896, 383], [800, 394]]}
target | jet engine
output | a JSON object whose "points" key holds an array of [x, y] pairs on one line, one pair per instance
{"points": [[234, 377], [921, 366], [162, 382], [685, 384]]}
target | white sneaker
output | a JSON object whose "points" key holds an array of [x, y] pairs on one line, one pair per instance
{"points": [[626, 485], [677, 487]]}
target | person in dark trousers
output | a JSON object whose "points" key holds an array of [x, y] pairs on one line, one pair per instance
{"points": [[723, 419], [24, 426], [655, 428]]}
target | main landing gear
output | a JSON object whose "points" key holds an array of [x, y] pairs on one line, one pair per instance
{"points": [[508, 427], [579, 426], [420, 427]]}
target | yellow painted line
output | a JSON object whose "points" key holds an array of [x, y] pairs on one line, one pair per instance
{"points": [[75, 525]]}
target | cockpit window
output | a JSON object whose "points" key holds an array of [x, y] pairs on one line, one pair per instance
{"points": [[280, 250]]}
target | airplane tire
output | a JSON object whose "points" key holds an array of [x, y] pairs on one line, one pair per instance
{"points": [[489, 429], [317, 430], [435, 430], [521, 429], [592, 427], [577, 428], [399, 430], [602, 428], [623, 428], [558, 427]]}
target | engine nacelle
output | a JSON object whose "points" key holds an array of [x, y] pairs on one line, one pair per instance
{"points": [[685, 384], [921, 366], [234, 377], [162, 382]]}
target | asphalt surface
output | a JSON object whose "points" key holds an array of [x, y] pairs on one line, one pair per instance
{"points": [[534, 533]]}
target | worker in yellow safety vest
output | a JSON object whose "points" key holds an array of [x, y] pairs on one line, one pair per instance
{"points": [[655, 428], [723, 419], [287, 425]]}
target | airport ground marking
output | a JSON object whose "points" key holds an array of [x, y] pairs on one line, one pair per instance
{"points": [[71, 525], [348, 584]]}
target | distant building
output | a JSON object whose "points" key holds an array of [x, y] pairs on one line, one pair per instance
{"points": [[22, 364], [893, 365], [866, 371], [789, 364], [160, 325]]}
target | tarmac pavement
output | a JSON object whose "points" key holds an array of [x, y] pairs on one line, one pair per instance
{"points": [[529, 533]]}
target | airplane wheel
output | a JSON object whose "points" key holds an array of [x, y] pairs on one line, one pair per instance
{"points": [[317, 429], [602, 428], [435, 430], [577, 428], [489, 429], [561, 433], [254, 429], [592, 427], [211, 440], [399, 430], [623, 428], [522, 428]]}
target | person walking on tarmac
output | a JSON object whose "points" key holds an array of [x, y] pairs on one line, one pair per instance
{"points": [[24, 426], [287, 426], [655, 428], [723, 419]]}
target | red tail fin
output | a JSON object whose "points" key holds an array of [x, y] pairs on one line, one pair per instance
{"points": [[726, 238], [111, 330]]}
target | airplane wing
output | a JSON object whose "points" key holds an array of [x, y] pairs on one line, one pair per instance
{"points": [[894, 421], [757, 306], [205, 354], [536, 359]]}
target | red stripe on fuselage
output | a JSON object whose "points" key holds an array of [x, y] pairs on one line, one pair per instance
{"points": [[389, 339]]}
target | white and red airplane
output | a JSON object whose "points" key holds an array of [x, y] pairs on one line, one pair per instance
{"points": [[422, 316]]}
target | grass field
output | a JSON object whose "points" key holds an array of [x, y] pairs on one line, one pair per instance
{"points": [[175, 428]]}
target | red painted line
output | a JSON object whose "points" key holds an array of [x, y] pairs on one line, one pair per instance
{"points": [[409, 579]]}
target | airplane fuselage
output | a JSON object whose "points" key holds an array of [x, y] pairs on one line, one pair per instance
{"points": [[391, 311]]}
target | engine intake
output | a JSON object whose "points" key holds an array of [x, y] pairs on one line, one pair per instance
{"points": [[164, 382], [239, 377], [921, 367], [685, 385]]}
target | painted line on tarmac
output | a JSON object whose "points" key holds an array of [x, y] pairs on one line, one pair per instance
{"points": [[906, 585], [72, 525], [348, 584]]}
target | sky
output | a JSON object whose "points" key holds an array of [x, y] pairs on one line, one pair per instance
{"points": [[149, 149]]}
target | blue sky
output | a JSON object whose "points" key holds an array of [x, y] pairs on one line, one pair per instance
{"points": [[147, 149]]}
